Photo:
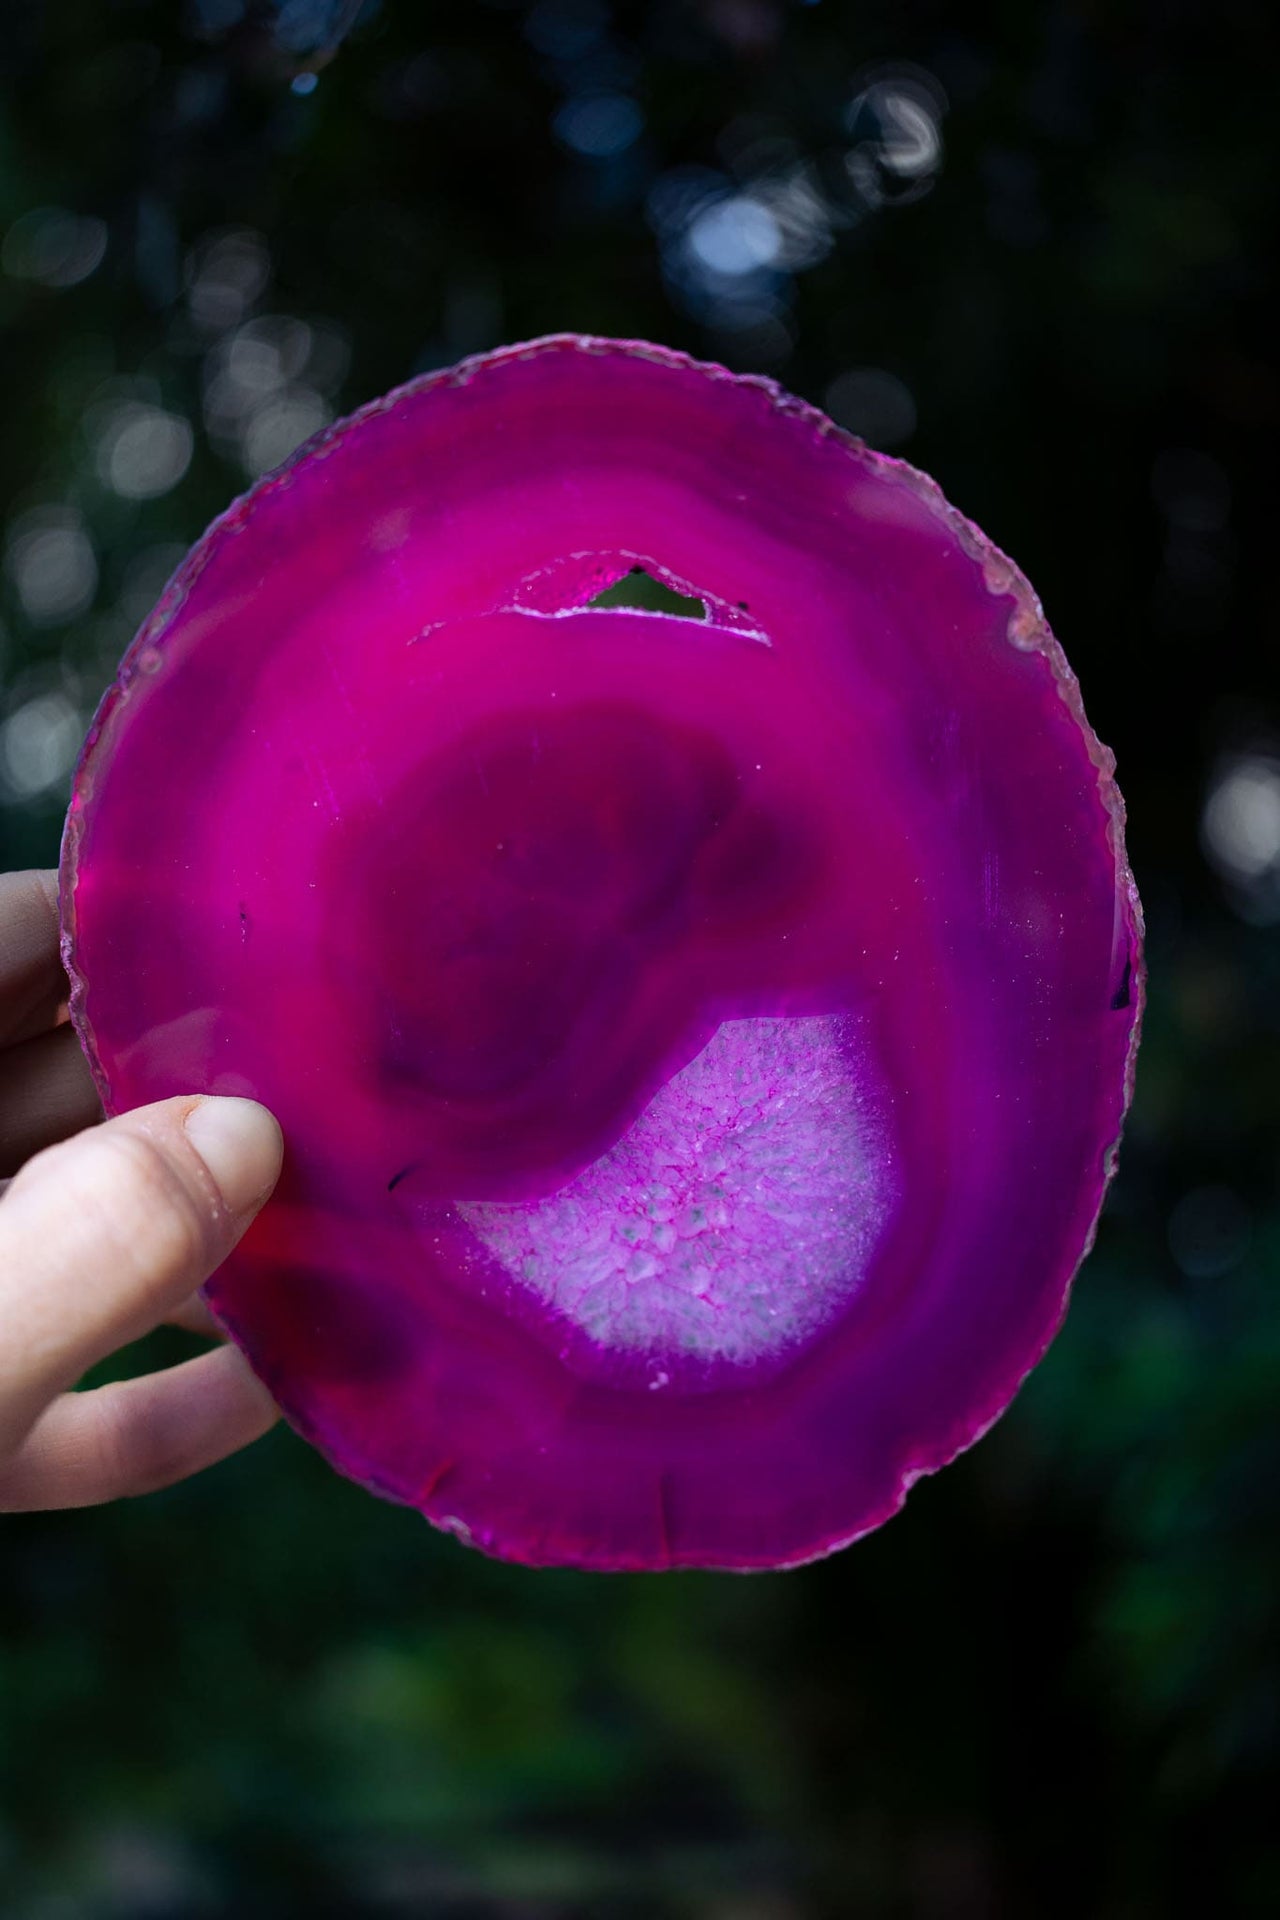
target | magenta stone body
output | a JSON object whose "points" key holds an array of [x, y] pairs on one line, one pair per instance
{"points": [[701, 1045]]}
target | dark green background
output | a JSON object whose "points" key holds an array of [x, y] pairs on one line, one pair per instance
{"points": [[1051, 1686]]}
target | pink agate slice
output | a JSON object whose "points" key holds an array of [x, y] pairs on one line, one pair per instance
{"points": [[701, 1045]]}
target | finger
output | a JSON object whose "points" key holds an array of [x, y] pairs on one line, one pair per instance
{"points": [[193, 1316], [138, 1435], [102, 1236], [33, 986], [46, 1093]]}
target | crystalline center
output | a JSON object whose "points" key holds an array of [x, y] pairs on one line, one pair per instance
{"points": [[733, 1219]]}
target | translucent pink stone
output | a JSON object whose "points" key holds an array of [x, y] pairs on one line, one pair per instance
{"points": [[701, 1045]]}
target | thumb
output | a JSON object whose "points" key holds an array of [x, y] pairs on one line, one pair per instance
{"points": [[104, 1234]]}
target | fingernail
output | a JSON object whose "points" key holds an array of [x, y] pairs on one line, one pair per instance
{"points": [[240, 1144]]}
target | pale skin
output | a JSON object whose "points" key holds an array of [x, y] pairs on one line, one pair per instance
{"points": [[107, 1229]]}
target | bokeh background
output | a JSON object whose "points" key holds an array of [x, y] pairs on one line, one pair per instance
{"points": [[1027, 246]]}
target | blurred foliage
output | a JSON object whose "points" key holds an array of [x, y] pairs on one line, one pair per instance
{"points": [[1029, 249]]}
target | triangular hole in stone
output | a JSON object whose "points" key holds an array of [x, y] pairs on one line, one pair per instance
{"points": [[640, 589]]}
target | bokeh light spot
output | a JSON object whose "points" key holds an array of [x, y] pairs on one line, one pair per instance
{"points": [[54, 247], [50, 559], [144, 452]]}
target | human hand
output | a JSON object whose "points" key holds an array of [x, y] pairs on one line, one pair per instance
{"points": [[103, 1237]]}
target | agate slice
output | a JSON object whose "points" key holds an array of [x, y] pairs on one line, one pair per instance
{"points": [[701, 1042]]}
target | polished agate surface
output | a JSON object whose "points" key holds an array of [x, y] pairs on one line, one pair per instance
{"points": [[701, 1037]]}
